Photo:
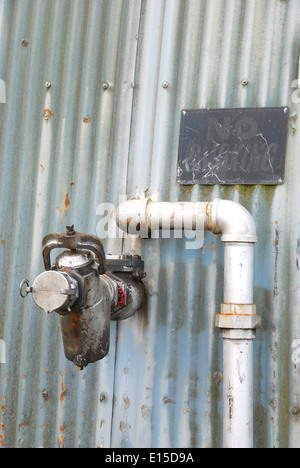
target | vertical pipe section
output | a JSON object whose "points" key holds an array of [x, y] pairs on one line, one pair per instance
{"points": [[238, 348], [238, 318], [237, 393], [238, 272]]}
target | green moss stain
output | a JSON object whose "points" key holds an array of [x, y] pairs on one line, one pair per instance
{"points": [[227, 192]]}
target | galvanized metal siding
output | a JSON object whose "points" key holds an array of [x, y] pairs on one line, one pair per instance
{"points": [[161, 385], [76, 46]]}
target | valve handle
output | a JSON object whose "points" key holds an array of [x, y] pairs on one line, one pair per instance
{"points": [[73, 240], [24, 293]]}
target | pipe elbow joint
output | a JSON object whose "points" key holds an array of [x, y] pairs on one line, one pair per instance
{"points": [[232, 220]]}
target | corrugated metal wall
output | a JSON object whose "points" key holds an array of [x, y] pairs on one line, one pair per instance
{"points": [[161, 384]]}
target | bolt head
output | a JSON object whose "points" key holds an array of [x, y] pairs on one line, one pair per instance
{"points": [[70, 227], [80, 361], [127, 256], [45, 394]]}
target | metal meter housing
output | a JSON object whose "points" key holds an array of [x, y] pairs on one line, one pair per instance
{"points": [[87, 290]]}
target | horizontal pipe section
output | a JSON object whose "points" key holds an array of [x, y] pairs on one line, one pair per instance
{"points": [[224, 217]]}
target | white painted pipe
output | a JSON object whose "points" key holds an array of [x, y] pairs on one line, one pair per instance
{"points": [[150, 216], [238, 319], [237, 393], [238, 349], [238, 272], [224, 217]]}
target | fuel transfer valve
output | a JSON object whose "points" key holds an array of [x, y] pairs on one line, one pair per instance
{"points": [[87, 289]]}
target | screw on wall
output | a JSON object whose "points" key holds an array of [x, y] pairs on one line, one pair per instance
{"points": [[45, 394]]}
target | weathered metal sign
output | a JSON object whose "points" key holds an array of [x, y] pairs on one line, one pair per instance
{"points": [[232, 146]]}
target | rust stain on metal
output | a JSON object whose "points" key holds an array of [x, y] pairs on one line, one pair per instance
{"points": [[67, 202], [208, 210], [148, 216], [47, 114], [74, 325], [24, 43], [85, 120], [62, 395], [167, 400], [210, 226], [61, 441]]}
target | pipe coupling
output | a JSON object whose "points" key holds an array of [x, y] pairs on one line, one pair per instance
{"points": [[238, 321]]}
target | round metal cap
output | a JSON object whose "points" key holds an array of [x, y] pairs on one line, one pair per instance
{"points": [[47, 290]]}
